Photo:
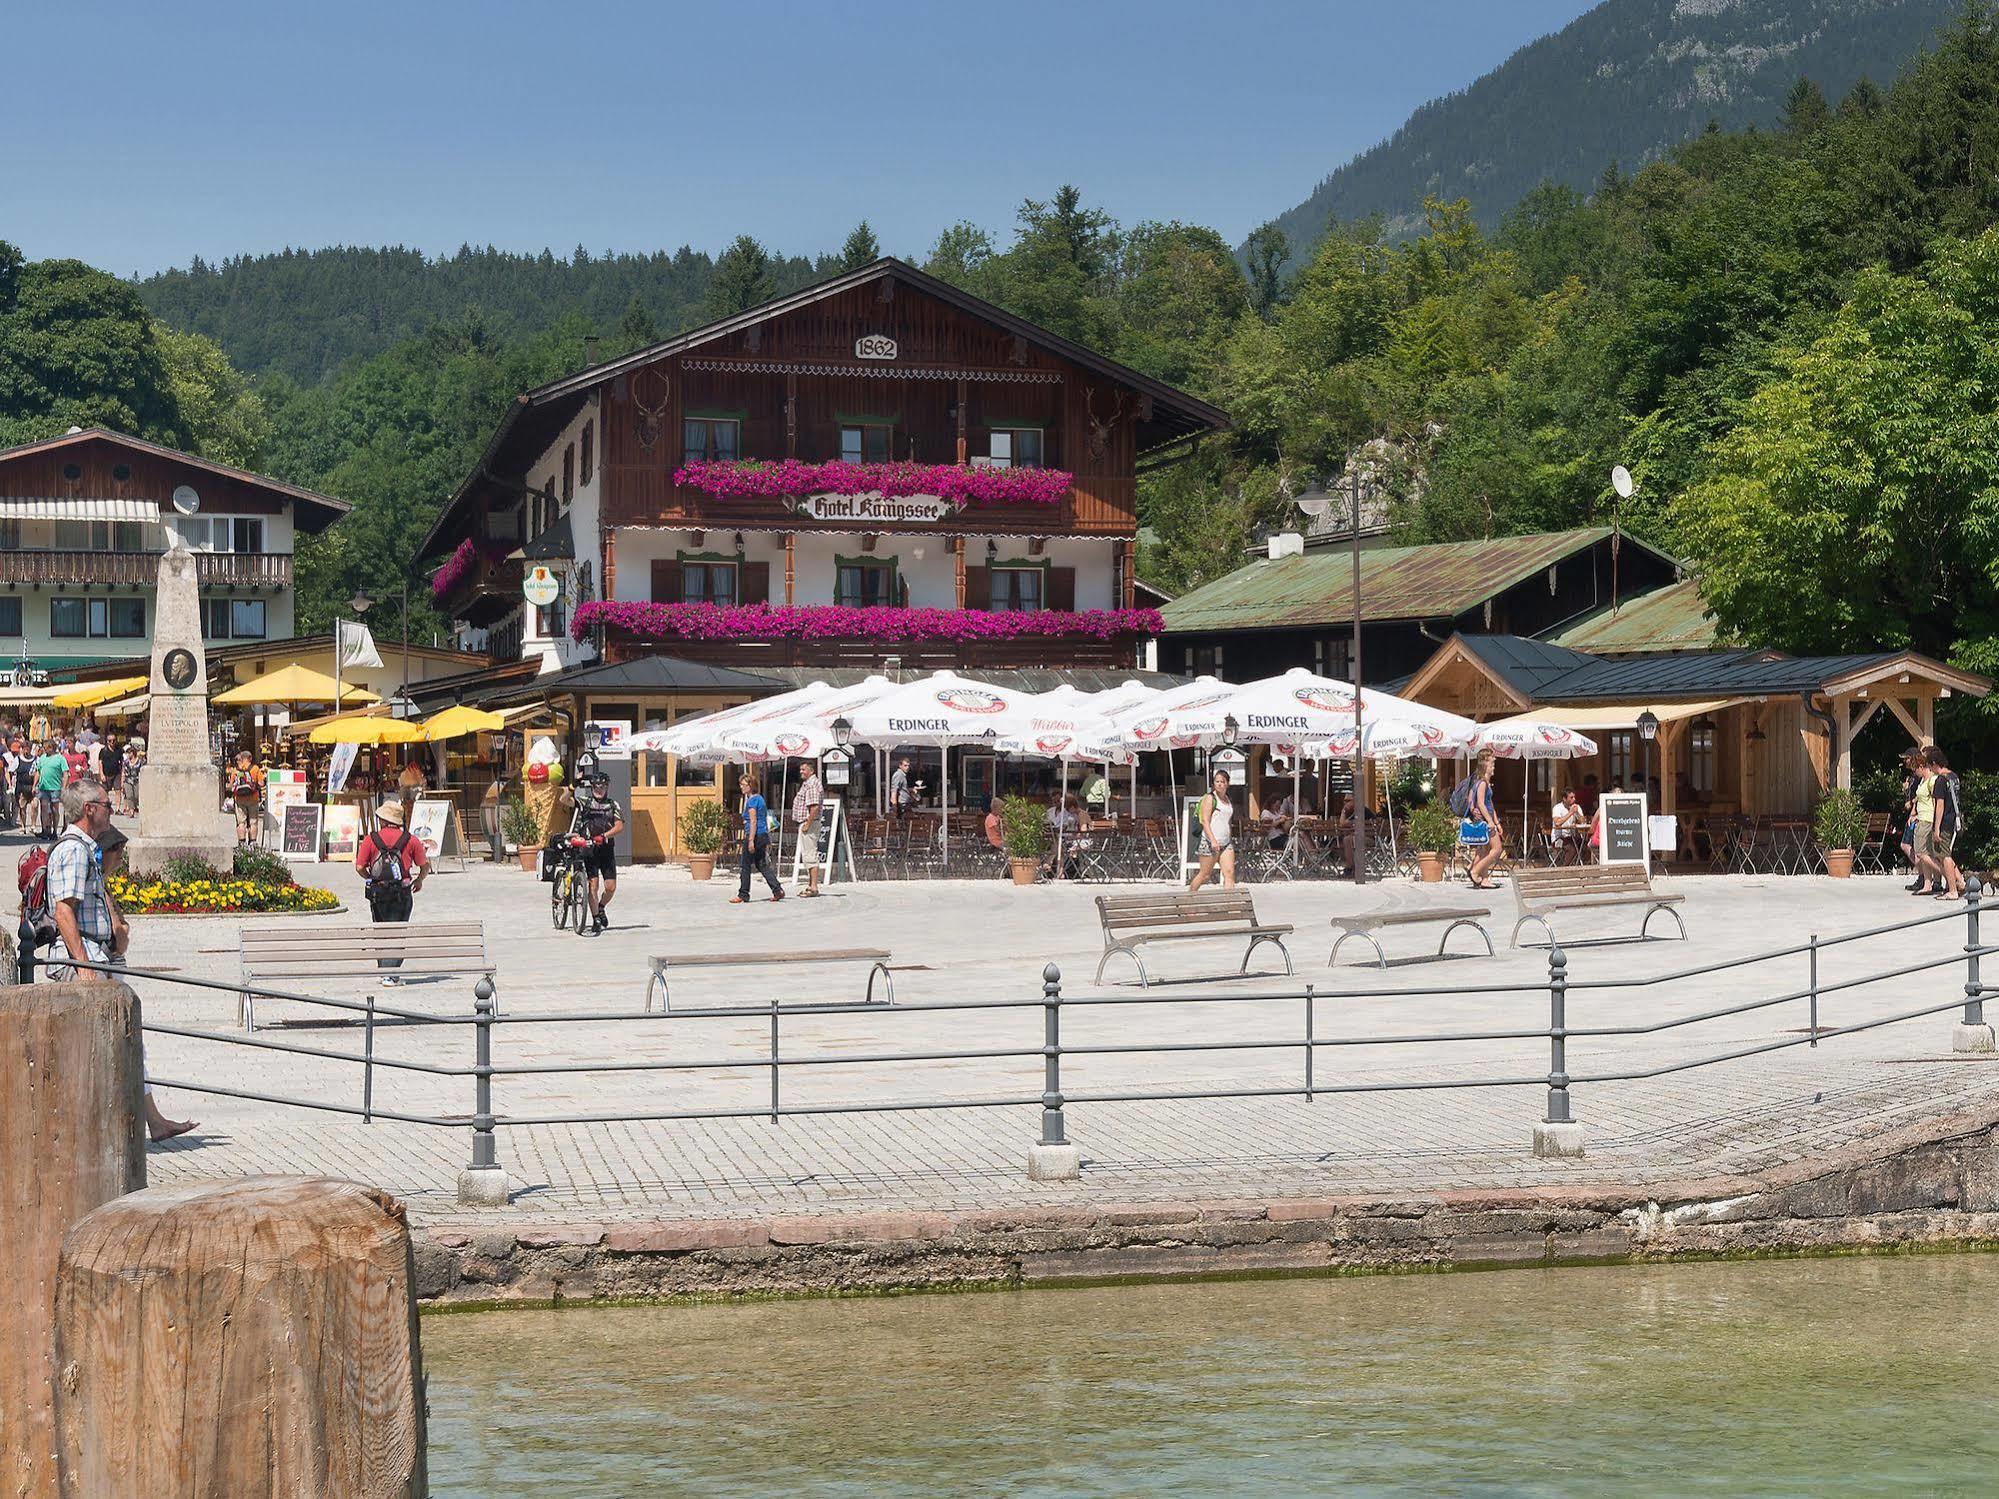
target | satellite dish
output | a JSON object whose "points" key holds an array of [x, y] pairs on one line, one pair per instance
{"points": [[1620, 480], [186, 501]]}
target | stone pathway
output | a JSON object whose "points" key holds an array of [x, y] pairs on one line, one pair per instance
{"points": [[961, 942]]}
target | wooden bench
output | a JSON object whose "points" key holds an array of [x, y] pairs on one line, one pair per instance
{"points": [[876, 957], [280, 956], [1132, 920], [1365, 927], [1586, 887]]}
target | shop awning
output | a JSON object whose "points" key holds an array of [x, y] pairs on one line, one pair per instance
{"points": [[146, 512], [90, 694], [1588, 717], [126, 707]]}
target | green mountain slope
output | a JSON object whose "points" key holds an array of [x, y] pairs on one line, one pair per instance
{"points": [[1621, 83]]}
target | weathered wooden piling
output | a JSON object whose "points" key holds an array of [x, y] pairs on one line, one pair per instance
{"points": [[71, 1138], [230, 1340]]}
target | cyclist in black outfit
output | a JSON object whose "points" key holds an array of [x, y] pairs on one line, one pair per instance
{"points": [[596, 823]]}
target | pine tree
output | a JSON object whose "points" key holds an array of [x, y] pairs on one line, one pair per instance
{"points": [[742, 279], [1266, 252], [860, 249], [637, 330], [1805, 111]]}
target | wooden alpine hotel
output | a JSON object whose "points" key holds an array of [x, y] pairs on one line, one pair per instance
{"points": [[879, 470]]}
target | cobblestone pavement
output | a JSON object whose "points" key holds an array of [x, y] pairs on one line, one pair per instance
{"points": [[963, 942]]}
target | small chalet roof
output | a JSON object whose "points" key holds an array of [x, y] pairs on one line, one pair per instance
{"points": [[556, 543], [1438, 581], [312, 512], [653, 674], [1672, 618], [1536, 671], [535, 418]]}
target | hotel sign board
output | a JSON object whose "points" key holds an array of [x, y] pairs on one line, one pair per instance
{"points": [[877, 509]]}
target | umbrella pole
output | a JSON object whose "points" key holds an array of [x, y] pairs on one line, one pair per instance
{"points": [[944, 799], [1388, 801], [1291, 837], [783, 787], [1134, 788], [1061, 816]]}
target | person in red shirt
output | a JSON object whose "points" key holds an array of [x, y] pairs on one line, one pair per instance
{"points": [[393, 863], [79, 764]]}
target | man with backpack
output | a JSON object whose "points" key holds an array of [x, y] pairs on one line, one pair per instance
{"points": [[76, 904], [51, 773], [393, 863]]}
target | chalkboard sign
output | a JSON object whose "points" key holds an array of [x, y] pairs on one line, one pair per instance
{"points": [[1624, 840], [301, 831], [833, 846]]}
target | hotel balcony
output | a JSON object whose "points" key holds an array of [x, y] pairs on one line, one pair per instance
{"points": [[95, 569]]}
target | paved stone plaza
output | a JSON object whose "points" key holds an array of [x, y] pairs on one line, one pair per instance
{"points": [[957, 942]]}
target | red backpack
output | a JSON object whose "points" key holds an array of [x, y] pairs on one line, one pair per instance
{"points": [[33, 874]]}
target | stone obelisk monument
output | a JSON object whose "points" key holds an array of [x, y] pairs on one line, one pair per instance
{"points": [[180, 792]]}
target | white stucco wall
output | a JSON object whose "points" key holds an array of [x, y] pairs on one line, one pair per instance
{"points": [[559, 651]]}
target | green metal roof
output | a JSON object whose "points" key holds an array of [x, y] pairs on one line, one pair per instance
{"points": [[1673, 618], [1440, 581]]}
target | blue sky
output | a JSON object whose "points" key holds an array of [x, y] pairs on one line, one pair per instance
{"points": [[142, 136]]}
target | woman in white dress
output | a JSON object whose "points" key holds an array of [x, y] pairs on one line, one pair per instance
{"points": [[1215, 816]]}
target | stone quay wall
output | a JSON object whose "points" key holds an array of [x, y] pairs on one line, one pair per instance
{"points": [[1935, 1186]]}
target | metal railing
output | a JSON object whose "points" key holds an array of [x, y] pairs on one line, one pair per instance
{"points": [[1557, 1131], [141, 569]]}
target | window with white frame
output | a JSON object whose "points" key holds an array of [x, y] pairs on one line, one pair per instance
{"points": [[1700, 756], [708, 582], [233, 619], [219, 533], [1622, 758], [100, 536], [78, 618], [1014, 447], [864, 585]]}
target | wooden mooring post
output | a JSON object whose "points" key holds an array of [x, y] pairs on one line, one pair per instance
{"points": [[230, 1340], [71, 1138]]}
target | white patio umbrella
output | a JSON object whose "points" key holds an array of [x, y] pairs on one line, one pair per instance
{"points": [[691, 737], [942, 710], [1526, 739], [1066, 725]]}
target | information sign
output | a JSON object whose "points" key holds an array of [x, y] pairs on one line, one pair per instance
{"points": [[1624, 840], [301, 831]]}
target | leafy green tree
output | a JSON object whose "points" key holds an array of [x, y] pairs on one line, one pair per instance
{"points": [[1181, 294], [77, 349], [962, 256], [1857, 503], [223, 417], [861, 248], [742, 279]]}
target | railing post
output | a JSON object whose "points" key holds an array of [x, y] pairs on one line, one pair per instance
{"points": [[773, 1059], [1309, 1048], [368, 1065], [1812, 1021], [1054, 1159], [1558, 1134], [1972, 1033], [24, 958], [483, 1183]]}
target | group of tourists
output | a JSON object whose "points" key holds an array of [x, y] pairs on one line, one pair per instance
{"points": [[1932, 814], [754, 857], [38, 760]]}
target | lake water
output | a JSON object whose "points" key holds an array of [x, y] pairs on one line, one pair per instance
{"points": [[1817, 1377]]}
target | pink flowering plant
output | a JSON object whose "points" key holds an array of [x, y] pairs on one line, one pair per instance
{"points": [[459, 565], [787, 478], [833, 622]]}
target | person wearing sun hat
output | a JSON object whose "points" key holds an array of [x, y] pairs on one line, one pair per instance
{"points": [[393, 862]]}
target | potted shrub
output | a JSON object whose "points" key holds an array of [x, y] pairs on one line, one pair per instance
{"points": [[1024, 835], [1433, 833], [521, 828], [703, 827], [1840, 824]]}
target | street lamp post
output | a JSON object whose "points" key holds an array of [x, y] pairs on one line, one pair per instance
{"points": [[1648, 730], [1359, 761]]}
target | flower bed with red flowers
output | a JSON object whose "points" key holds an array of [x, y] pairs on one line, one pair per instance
{"points": [[832, 622], [749, 478]]}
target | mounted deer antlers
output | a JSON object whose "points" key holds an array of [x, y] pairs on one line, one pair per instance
{"points": [[652, 419], [1100, 428]]}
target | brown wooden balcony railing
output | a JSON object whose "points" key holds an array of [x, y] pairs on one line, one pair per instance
{"points": [[140, 569]]}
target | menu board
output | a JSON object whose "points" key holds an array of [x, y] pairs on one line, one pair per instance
{"points": [[301, 831], [1624, 840], [429, 820]]}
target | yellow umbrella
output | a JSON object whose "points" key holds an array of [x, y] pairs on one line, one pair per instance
{"points": [[292, 684], [366, 729], [90, 694], [459, 719]]}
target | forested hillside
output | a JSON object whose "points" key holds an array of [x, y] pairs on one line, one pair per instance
{"points": [[1621, 83], [304, 313]]}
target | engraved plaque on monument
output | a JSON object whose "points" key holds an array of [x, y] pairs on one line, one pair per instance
{"points": [[179, 786]]}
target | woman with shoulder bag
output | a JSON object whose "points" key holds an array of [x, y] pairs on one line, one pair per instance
{"points": [[1479, 830]]}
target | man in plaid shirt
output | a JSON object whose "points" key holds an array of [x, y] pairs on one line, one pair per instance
{"points": [[82, 910]]}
